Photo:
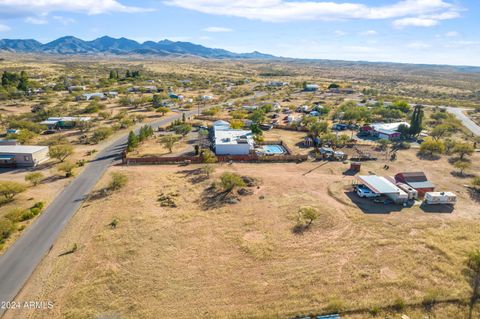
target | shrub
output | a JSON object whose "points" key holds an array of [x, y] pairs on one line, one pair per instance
{"points": [[60, 152], [375, 311], [118, 180], [230, 180], [101, 134], [398, 305], [6, 229], [335, 305], [430, 146], [14, 215], [10, 189], [67, 168], [208, 156], [430, 299], [34, 178]]}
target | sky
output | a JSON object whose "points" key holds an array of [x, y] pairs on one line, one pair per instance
{"points": [[411, 31]]}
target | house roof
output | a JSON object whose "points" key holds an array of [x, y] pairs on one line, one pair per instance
{"points": [[21, 149], [379, 184], [224, 137], [388, 128], [418, 185], [414, 176]]}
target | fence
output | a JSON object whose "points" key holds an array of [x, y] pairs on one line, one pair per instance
{"points": [[249, 158]]}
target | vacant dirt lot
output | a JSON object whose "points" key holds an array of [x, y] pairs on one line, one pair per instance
{"points": [[243, 260]]}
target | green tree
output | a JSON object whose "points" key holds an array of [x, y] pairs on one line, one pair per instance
{"points": [[168, 141], [132, 142], [333, 86], [462, 166], [476, 182], [257, 116], [182, 129], [230, 180], [66, 168], [23, 84], [236, 124], [60, 152], [101, 134], [208, 157], [431, 147], [34, 178], [416, 123], [9, 189], [7, 227], [463, 149], [24, 136], [117, 181], [440, 131], [307, 215], [162, 110], [317, 128]]}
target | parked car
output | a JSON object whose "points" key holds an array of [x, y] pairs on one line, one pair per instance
{"points": [[364, 192], [339, 127]]}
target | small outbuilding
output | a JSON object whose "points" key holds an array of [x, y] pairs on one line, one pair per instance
{"points": [[417, 181], [22, 155]]}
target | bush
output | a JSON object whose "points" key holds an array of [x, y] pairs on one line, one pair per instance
{"points": [[430, 299], [67, 168], [10, 189], [399, 304], [231, 180], [34, 178], [101, 134], [60, 152], [6, 229], [375, 311], [118, 180]]}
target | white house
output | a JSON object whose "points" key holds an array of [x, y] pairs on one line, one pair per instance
{"points": [[22, 155], [228, 141], [311, 87], [277, 83], [89, 96]]}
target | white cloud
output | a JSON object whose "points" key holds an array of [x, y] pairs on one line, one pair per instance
{"points": [[38, 21], [414, 22], [4, 28], [283, 10], [418, 45], [340, 33], [217, 29], [452, 34], [369, 33], [22, 8], [64, 20]]}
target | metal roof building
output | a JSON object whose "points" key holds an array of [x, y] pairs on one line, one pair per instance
{"points": [[381, 185]]}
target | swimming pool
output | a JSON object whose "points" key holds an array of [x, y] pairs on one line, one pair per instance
{"points": [[273, 149]]}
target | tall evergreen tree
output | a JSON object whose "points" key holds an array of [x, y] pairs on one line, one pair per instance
{"points": [[23, 82], [416, 121], [132, 141]]}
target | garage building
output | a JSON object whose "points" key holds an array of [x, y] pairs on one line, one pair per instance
{"points": [[22, 155]]}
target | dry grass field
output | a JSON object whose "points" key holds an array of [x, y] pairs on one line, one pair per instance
{"points": [[243, 260]]}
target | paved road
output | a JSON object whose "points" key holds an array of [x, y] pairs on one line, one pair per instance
{"points": [[467, 122], [21, 259]]}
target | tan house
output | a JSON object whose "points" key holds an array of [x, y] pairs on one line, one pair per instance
{"points": [[22, 155]]}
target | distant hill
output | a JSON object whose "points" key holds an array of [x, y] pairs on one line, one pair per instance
{"points": [[73, 45]]}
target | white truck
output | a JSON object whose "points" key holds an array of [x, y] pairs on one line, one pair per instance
{"points": [[440, 198], [364, 192]]}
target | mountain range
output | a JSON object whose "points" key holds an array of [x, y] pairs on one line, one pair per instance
{"points": [[122, 46]]}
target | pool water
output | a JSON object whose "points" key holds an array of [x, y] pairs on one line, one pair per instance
{"points": [[273, 149]]}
